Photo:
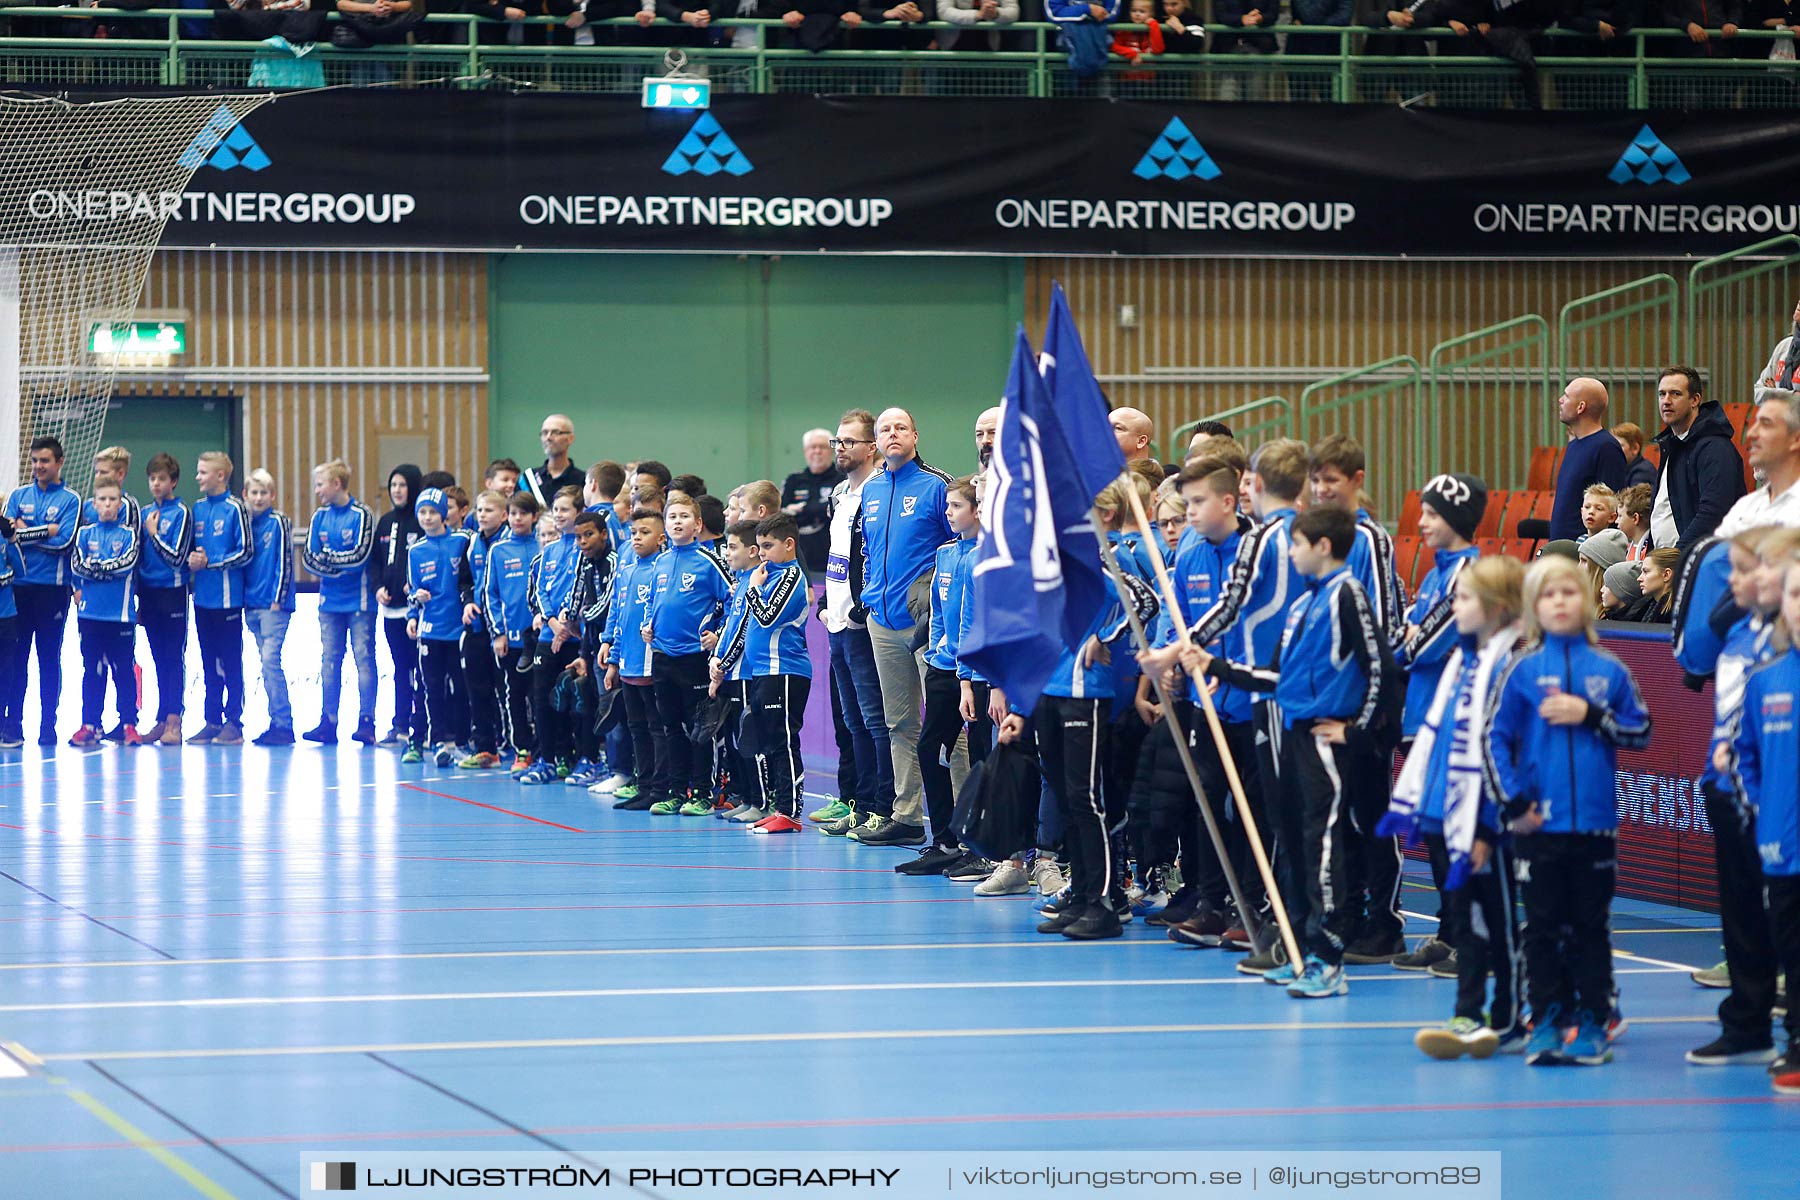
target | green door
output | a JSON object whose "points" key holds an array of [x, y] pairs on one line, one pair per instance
{"points": [[184, 426]]}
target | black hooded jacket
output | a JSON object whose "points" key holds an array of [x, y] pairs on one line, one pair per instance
{"points": [[393, 531], [1705, 473]]}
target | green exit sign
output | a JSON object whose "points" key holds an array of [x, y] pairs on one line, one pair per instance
{"points": [[677, 93], [137, 337]]}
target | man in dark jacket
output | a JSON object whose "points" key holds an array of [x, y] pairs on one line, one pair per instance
{"points": [[806, 496], [1702, 473]]}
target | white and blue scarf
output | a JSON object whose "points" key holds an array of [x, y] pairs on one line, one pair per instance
{"points": [[1463, 789]]}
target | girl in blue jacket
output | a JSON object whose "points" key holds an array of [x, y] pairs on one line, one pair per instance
{"points": [[1566, 707], [1445, 796]]}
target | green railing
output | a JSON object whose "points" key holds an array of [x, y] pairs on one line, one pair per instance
{"points": [[1622, 336], [450, 49], [1381, 406], [1722, 293], [1490, 383], [1279, 424]]}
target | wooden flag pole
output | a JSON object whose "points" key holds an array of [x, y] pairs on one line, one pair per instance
{"points": [[1171, 599]]}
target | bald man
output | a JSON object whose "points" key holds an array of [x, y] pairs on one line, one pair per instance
{"points": [[1593, 455], [986, 426], [1134, 430], [556, 435], [806, 496]]}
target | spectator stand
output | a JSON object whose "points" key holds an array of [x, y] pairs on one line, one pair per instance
{"points": [[1277, 424], [1345, 64]]}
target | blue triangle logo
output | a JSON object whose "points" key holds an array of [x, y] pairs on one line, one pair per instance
{"points": [[199, 151], [707, 150], [1649, 160], [1176, 154]]}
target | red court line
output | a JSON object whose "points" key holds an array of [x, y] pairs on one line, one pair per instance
{"points": [[966, 1119], [413, 787], [450, 858]]}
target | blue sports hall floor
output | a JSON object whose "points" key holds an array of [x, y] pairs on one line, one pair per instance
{"points": [[212, 960]]}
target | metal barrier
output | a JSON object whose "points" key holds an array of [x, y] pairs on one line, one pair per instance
{"points": [[1492, 380], [1419, 67], [1381, 406], [1622, 336], [1280, 424], [1763, 279]]}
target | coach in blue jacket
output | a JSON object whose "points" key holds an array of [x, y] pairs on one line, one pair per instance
{"points": [[903, 524]]}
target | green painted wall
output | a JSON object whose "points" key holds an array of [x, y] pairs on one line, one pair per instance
{"points": [[717, 364]]}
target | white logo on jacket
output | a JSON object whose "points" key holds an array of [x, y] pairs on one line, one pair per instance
{"points": [[907, 504]]}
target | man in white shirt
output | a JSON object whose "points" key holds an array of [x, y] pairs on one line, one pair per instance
{"points": [[1773, 439], [1783, 366]]}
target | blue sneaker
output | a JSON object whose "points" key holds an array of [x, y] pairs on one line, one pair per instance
{"points": [[586, 772], [1544, 1048], [1589, 1047], [445, 756], [540, 772], [1281, 974], [1319, 980]]}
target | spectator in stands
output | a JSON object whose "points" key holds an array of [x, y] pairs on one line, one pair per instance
{"points": [[1705, 22], [1182, 31], [815, 24], [1608, 21], [1621, 595], [296, 22], [1593, 456], [1083, 33], [1702, 474], [1246, 14], [1656, 579], [1784, 364], [1638, 469], [890, 26], [1773, 439], [692, 20], [493, 10], [806, 496], [1316, 85], [981, 19], [1634, 520], [1139, 37], [377, 22], [582, 21], [1134, 430]]}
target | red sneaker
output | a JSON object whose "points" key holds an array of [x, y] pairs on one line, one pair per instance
{"points": [[1788, 1084], [87, 735], [132, 737], [779, 823]]}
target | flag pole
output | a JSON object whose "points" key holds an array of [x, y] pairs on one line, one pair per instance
{"points": [[1218, 731], [1251, 924]]}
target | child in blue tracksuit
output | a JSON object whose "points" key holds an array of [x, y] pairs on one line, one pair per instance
{"points": [[944, 726], [104, 560], [478, 667], [12, 569], [221, 551], [269, 599], [629, 656], [1768, 762], [162, 588], [1450, 512], [1755, 602], [732, 772], [1445, 795], [692, 589], [438, 588], [1565, 708], [1330, 677], [339, 538], [506, 613], [774, 644], [557, 640]]}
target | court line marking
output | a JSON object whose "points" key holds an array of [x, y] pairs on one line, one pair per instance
{"points": [[186, 1128], [255, 914], [774, 989], [70, 908], [413, 787], [740, 1039], [11, 1067], [189, 1173], [1673, 966]]}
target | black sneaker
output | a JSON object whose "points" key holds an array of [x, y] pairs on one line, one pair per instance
{"points": [[1097, 921], [1429, 951], [970, 868], [275, 735], [1375, 949], [1182, 905], [893, 833], [395, 737], [1732, 1049], [1445, 968], [365, 733], [638, 803], [1787, 1064], [47, 735], [1062, 920], [933, 861], [115, 734], [1262, 962], [325, 734]]}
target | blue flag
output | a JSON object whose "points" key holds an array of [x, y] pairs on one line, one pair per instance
{"points": [[1014, 637], [1085, 416]]}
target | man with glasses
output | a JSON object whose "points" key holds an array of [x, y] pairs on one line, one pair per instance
{"points": [[557, 435], [806, 496], [856, 685]]}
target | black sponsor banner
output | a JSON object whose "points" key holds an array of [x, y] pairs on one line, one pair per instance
{"points": [[380, 169]]}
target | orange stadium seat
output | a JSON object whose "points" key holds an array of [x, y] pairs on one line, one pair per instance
{"points": [[1544, 460], [1518, 508], [1490, 518], [1523, 549], [1406, 553], [1546, 504], [1409, 515], [1490, 546]]}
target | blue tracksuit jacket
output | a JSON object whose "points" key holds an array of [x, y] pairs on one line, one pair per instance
{"points": [[104, 560], [1768, 752], [693, 586], [337, 548], [33, 510], [163, 564], [903, 524], [269, 579], [222, 530], [1423, 656]]}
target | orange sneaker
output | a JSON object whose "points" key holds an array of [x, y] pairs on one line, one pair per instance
{"points": [[86, 737], [132, 737], [779, 823]]}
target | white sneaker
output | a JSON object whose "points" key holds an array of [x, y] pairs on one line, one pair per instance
{"points": [[607, 787], [1047, 876], [1007, 879]]}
